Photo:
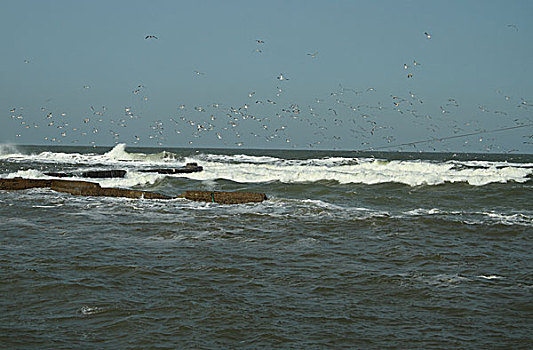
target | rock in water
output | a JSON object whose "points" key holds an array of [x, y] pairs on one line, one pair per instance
{"points": [[188, 168], [23, 184], [85, 188], [224, 197], [95, 174], [79, 188], [103, 173]]}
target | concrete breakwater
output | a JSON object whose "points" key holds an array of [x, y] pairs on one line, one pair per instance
{"points": [[85, 188]]}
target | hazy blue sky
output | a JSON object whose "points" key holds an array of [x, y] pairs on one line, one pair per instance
{"points": [[89, 65]]}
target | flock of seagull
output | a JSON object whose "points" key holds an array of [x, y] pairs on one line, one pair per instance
{"points": [[358, 117]]}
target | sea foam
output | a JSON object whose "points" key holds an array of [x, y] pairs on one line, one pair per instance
{"points": [[412, 173], [243, 168]]}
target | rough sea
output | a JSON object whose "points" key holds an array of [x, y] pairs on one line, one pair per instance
{"points": [[350, 251]]}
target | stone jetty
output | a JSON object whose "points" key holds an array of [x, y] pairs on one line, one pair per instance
{"points": [[85, 188]]}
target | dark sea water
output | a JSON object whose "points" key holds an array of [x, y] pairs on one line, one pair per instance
{"points": [[355, 251]]}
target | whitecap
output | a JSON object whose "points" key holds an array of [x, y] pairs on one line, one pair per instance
{"points": [[412, 173], [510, 219], [344, 170], [90, 310], [119, 154], [491, 277]]}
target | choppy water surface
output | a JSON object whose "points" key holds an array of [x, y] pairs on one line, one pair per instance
{"points": [[350, 251]]}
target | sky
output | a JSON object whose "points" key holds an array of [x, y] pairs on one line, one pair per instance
{"points": [[447, 76]]}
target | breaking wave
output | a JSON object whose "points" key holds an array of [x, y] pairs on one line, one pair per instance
{"points": [[243, 168], [360, 171], [119, 153], [7, 150]]}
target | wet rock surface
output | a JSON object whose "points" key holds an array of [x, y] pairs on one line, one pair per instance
{"points": [[85, 188], [95, 174], [79, 188], [188, 168], [224, 197], [119, 173]]}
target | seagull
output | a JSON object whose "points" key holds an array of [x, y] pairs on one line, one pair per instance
{"points": [[313, 55], [259, 41], [282, 77], [427, 35], [150, 37], [513, 26]]}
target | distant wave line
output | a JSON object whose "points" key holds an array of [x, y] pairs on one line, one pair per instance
{"points": [[439, 139]]}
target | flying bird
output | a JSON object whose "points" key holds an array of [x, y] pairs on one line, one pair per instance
{"points": [[427, 35], [282, 77], [313, 55], [513, 26], [150, 37]]}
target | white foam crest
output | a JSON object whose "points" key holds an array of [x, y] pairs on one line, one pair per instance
{"points": [[68, 158], [251, 169], [131, 179], [56, 158], [510, 219], [119, 153], [412, 173], [237, 158], [490, 164], [243, 158], [423, 212], [90, 310], [491, 277], [476, 217], [311, 209], [27, 174]]}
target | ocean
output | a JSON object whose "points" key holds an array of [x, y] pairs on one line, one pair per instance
{"points": [[351, 251]]}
